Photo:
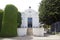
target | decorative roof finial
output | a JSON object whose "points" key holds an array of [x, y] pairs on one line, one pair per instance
{"points": [[29, 6]]}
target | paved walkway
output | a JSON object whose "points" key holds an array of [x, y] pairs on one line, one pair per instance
{"points": [[51, 37]]}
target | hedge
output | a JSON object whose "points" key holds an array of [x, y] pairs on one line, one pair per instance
{"points": [[1, 16], [9, 23]]}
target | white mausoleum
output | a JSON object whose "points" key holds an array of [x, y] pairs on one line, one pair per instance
{"points": [[30, 19], [30, 24]]}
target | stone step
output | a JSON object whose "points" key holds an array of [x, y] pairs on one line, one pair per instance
{"points": [[29, 31]]}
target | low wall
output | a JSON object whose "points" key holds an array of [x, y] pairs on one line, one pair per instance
{"points": [[35, 31], [38, 31], [21, 31]]}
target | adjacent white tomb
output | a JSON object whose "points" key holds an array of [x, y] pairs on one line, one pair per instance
{"points": [[30, 18]]}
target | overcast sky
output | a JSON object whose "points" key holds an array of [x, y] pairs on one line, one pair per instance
{"points": [[22, 5]]}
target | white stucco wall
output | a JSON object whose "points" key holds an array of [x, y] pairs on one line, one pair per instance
{"points": [[32, 14]]}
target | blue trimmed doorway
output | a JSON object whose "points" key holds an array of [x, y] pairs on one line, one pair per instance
{"points": [[29, 22]]}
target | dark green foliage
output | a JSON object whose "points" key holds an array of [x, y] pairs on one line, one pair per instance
{"points": [[9, 24], [49, 11], [1, 16], [19, 19]]}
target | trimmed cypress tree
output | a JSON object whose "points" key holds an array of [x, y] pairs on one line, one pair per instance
{"points": [[1, 16], [9, 24]]}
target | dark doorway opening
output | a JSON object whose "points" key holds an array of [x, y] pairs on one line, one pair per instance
{"points": [[29, 22]]}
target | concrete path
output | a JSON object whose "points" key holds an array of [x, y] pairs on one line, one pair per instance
{"points": [[51, 37]]}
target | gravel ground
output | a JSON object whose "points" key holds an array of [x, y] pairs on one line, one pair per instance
{"points": [[51, 37]]}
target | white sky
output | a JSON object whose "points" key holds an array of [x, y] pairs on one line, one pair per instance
{"points": [[22, 5]]}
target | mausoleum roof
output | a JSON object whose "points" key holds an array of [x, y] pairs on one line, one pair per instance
{"points": [[30, 10]]}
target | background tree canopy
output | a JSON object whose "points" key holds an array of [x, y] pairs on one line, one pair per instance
{"points": [[19, 19], [49, 11]]}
